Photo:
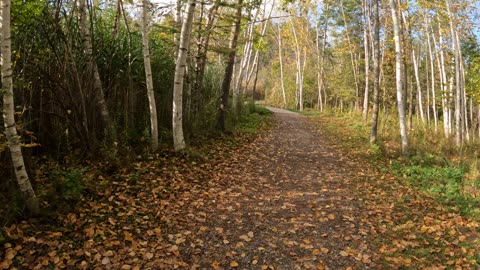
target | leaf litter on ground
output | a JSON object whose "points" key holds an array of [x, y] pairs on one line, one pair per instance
{"points": [[287, 198]]}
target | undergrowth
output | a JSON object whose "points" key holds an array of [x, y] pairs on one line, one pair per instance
{"points": [[435, 166], [60, 186]]}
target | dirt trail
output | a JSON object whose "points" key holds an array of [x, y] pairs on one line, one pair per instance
{"points": [[290, 191]]}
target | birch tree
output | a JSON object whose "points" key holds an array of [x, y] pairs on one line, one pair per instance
{"points": [[149, 80], [376, 70], [9, 110], [97, 82], [177, 116], [366, 34], [230, 62], [280, 59], [398, 78]]}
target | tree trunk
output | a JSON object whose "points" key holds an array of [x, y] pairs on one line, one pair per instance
{"points": [[202, 56], [97, 82], [367, 58], [321, 59], [419, 88], [177, 117], [9, 111], [353, 58], [222, 109], [458, 89], [432, 75], [376, 72], [149, 80], [281, 66], [299, 69], [398, 75]]}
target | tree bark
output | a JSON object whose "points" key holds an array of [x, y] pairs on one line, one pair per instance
{"points": [[458, 88], [367, 57], [222, 108], [353, 58], [177, 117], [398, 75], [432, 75], [97, 82], [202, 56], [9, 111], [149, 80], [376, 72], [299, 68], [281, 66]]}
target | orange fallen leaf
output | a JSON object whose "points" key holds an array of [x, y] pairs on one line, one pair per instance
{"points": [[234, 264]]}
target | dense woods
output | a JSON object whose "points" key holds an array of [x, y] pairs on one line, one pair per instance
{"points": [[109, 81]]}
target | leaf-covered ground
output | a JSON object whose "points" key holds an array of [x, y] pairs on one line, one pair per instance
{"points": [[289, 199]]}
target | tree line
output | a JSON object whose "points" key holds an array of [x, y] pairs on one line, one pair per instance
{"points": [[419, 58], [90, 79]]}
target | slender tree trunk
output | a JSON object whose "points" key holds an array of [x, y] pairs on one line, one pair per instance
{"points": [[177, 119], [367, 58], [432, 75], [321, 58], [178, 23], [444, 88], [149, 80], [222, 110], [353, 58], [281, 66], [399, 83], [419, 88], [458, 89], [376, 72], [9, 111], [266, 20], [202, 56], [97, 82], [299, 68], [244, 62]]}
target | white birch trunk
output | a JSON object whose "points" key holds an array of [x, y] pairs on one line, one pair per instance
{"points": [[458, 88], [9, 111], [97, 82], [432, 76], [419, 88], [399, 83], [177, 117], [281, 65], [299, 68], [353, 57], [149, 80], [367, 59]]}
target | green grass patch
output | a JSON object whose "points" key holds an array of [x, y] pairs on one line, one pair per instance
{"points": [[251, 122]]}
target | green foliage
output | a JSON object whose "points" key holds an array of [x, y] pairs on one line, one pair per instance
{"points": [[69, 184], [445, 183], [252, 120]]}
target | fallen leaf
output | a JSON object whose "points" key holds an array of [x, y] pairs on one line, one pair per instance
{"points": [[148, 255], [105, 261]]}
